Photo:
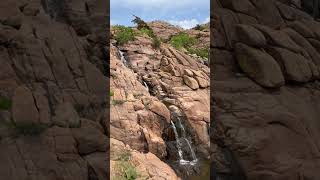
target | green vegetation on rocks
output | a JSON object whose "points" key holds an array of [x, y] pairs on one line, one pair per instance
{"points": [[199, 27], [145, 29], [126, 170], [202, 52], [124, 34], [182, 40], [140, 23], [156, 43]]}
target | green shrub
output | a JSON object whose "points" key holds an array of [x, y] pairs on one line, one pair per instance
{"points": [[147, 31], [5, 104], [182, 40], [156, 43], [126, 170], [139, 22], [199, 27], [124, 34], [202, 52]]}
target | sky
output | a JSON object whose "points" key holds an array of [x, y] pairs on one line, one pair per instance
{"points": [[184, 13]]}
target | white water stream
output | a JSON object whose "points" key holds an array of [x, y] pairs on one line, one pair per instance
{"points": [[183, 161], [123, 59], [146, 85]]}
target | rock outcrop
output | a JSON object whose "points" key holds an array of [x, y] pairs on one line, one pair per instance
{"points": [[265, 59], [154, 88], [53, 90], [164, 30]]}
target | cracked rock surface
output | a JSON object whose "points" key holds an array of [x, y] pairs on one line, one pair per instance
{"points": [[266, 96], [54, 88]]}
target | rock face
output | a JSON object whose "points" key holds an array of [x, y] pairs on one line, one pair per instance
{"points": [[154, 88], [266, 91], [260, 66], [51, 78], [164, 30]]}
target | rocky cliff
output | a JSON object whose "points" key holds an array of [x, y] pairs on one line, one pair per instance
{"points": [[266, 91], [159, 106], [53, 89]]}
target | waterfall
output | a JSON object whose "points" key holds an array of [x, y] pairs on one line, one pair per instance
{"points": [[123, 59], [183, 132], [194, 157], [182, 127], [146, 85], [177, 140]]}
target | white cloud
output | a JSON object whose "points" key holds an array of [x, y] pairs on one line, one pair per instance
{"points": [[185, 24], [188, 23]]}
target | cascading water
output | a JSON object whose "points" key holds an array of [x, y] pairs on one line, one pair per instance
{"points": [[123, 59], [180, 152], [182, 127], [194, 157], [146, 85], [177, 140]]}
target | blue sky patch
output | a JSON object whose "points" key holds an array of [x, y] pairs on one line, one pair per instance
{"points": [[184, 13]]}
